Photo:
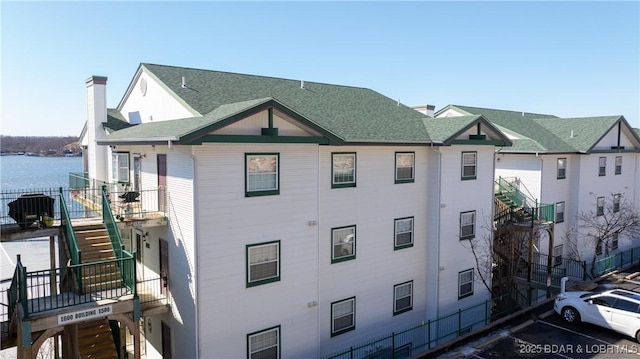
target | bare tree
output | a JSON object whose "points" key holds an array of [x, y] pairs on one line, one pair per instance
{"points": [[599, 229]]}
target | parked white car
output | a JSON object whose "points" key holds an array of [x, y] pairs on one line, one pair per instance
{"points": [[615, 309]]}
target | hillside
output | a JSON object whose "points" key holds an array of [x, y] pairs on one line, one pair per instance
{"points": [[40, 145]]}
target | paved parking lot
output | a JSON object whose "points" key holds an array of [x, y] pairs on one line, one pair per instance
{"points": [[549, 336]]}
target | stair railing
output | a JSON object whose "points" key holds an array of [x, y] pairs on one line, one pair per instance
{"points": [[127, 268], [72, 242], [17, 292]]}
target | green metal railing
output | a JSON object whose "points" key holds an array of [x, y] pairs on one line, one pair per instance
{"points": [[17, 292], [72, 243], [116, 241], [527, 208], [425, 336], [615, 261]]}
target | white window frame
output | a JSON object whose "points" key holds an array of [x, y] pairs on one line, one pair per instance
{"points": [[400, 229], [562, 168], [559, 213], [254, 259], [616, 202], [264, 341], [602, 166], [463, 281], [618, 168], [557, 255], [340, 243], [465, 223], [399, 294], [600, 206], [348, 172], [403, 166], [469, 164], [615, 241], [120, 167], [251, 170], [335, 316]]}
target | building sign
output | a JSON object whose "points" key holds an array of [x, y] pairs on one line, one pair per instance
{"points": [[83, 315]]}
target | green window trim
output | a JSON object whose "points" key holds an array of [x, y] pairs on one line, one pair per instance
{"points": [[409, 244], [402, 166], [469, 170], [247, 183], [265, 280], [340, 250], [602, 166], [401, 296], [346, 182], [618, 166], [277, 345], [351, 314]]}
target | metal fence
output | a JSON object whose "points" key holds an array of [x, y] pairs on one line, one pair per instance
{"points": [[615, 261], [444, 329]]}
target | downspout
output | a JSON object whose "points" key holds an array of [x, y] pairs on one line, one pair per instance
{"points": [[195, 250], [318, 253], [438, 201]]}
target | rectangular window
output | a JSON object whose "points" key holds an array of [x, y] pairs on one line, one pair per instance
{"points": [[343, 316], [467, 225], [343, 243], [614, 240], [616, 202], [405, 162], [465, 283], [602, 166], [120, 167], [618, 165], [264, 344], [403, 233], [559, 212], [343, 172], [469, 162], [557, 255], [600, 206], [599, 248], [263, 263], [402, 297], [562, 168], [262, 174]]}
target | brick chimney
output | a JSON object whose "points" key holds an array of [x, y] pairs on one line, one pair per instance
{"points": [[96, 115]]}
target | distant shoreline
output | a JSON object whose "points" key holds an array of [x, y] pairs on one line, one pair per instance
{"points": [[31, 154]]}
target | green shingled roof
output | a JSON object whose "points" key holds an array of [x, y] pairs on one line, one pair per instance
{"points": [[545, 133], [354, 114], [115, 120]]}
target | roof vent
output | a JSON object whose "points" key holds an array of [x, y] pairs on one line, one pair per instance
{"points": [[398, 102], [572, 136], [184, 83], [302, 84], [522, 113]]}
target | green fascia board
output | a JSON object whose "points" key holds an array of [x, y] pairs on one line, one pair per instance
{"points": [[245, 109], [261, 139], [447, 130], [349, 113]]}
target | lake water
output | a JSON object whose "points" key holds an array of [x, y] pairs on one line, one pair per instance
{"points": [[31, 173], [28, 172]]}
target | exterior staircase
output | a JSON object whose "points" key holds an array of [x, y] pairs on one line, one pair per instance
{"points": [[95, 245], [96, 341]]}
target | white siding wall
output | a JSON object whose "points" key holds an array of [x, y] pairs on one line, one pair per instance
{"points": [[228, 221], [528, 168], [156, 105], [253, 124], [372, 206], [462, 196]]}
